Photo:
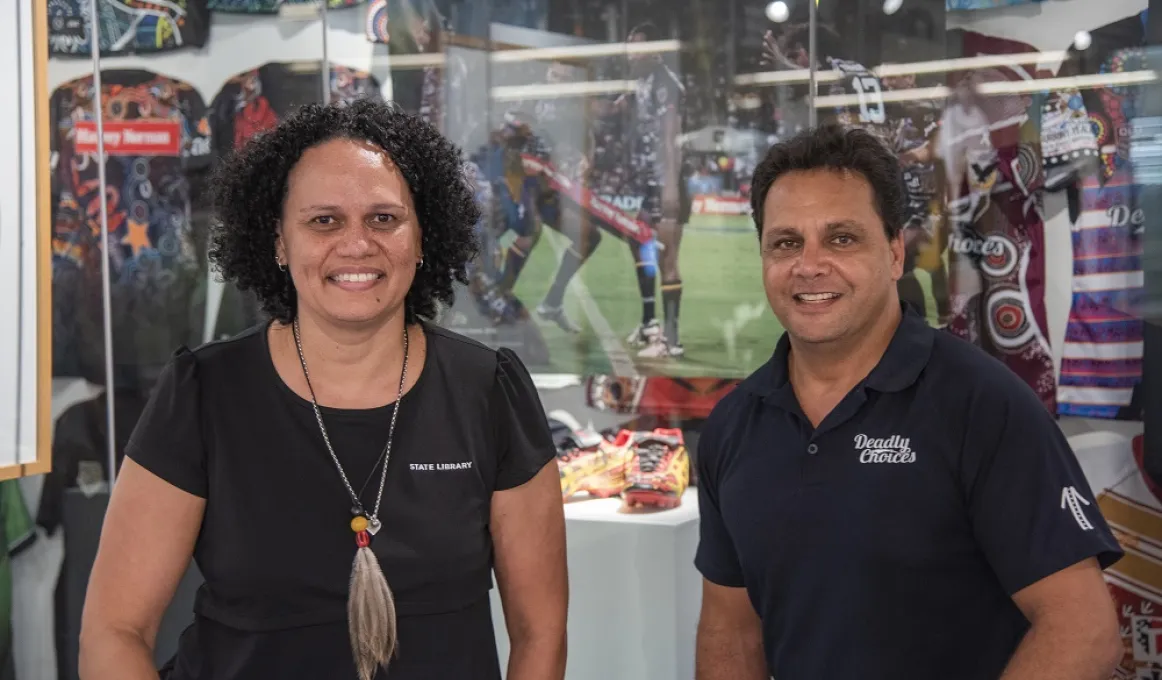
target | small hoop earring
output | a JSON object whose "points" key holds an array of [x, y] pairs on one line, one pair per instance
{"points": [[281, 266], [421, 264]]}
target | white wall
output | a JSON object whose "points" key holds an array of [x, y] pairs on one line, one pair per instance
{"points": [[1051, 26]]}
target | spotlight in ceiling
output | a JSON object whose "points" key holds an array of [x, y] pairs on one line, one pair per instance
{"points": [[1082, 40], [778, 12], [892, 6]]}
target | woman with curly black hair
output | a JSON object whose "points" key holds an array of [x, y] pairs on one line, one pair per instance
{"points": [[346, 475]]}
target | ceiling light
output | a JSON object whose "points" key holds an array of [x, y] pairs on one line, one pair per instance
{"points": [[778, 12]]}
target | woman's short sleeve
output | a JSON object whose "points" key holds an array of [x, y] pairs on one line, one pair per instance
{"points": [[524, 442], [167, 440]]}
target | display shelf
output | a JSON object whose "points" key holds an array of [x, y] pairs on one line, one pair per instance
{"points": [[581, 508], [634, 591]]}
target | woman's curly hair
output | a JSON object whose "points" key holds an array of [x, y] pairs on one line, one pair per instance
{"points": [[250, 188]]}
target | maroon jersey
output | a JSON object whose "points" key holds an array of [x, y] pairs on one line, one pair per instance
{"points": [[994, 151]]}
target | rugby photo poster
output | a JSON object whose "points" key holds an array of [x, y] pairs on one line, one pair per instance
{"points": [[616, 235]]}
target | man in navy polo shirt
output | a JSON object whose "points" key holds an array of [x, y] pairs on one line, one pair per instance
{"points": [[881, 499]]}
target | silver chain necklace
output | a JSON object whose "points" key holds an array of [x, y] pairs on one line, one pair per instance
{"points": [[373, 523]]}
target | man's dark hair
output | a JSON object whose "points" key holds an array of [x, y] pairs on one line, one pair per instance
{"points": [[249, 191], [836, 148]]}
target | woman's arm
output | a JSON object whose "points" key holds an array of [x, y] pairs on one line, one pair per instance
{"points": [[146, 543], [528, 532]]}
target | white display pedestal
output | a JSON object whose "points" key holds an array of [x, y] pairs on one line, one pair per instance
{"points": [[634, 593]]}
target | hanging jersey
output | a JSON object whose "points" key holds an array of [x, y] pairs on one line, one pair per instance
{"points": [[419, 91], [80, 462], [996, 247], [417, 87], [1102, 360], [127, 26], [1000, 152], [853, 96], [1102, 364], [80, 457], [157, 143], [16, 534], [1060, 120], [256, 100], [253, 102], [996, 257]]}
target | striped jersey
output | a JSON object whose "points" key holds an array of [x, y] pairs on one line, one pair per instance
{"points": [[1102, 360]]}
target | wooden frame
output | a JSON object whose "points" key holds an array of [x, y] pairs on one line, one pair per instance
{"points": [[43, 244]]}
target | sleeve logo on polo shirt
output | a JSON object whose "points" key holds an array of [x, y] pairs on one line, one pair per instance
{"points": [[1073, 500], [893, 449]]}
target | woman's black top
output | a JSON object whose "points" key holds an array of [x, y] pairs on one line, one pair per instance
{"points": [[276, 546]]}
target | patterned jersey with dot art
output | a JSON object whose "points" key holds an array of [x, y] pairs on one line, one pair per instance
{"points": [[127, 26], [1001, 153], [157, 145]]}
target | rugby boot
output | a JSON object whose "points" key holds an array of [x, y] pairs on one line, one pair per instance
{"points": [[659, 469]]}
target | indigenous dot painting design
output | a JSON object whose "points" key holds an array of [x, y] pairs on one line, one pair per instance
{"points": [[1008, 323], [377, 22]]}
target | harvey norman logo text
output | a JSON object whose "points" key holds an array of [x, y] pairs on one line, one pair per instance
{"points": [[893, 449]]}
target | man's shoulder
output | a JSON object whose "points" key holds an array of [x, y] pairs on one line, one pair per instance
{"points": [[967, 375], [953, 354], [735, 407]]}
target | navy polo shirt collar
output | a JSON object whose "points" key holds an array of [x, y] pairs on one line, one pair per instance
{"points": [[903, 361]]}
